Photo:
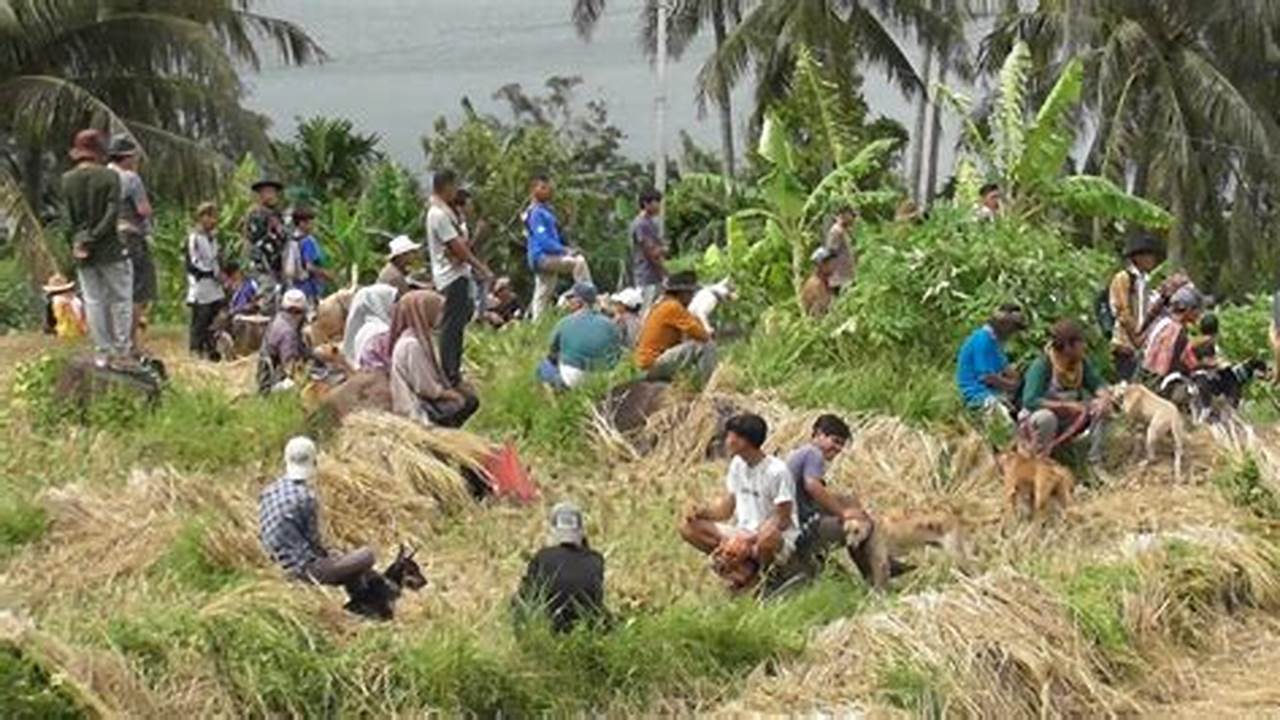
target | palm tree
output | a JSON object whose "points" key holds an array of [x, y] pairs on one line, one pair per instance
{"points": [[843, 34], [162, 72], [689, 20], [1182, 96], [328, 157]]}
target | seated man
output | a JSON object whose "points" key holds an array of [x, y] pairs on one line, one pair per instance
{"points": [[1063, 395], [284, 349], [583, 342], [400, 256], [242, 289], [628, 306], [983, 373], [289, 525], [565, 579], [753, 524], [673, 339], [823, 514]]}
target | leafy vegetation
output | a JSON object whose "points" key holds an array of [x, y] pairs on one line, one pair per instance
{"points": [[27, 692]]}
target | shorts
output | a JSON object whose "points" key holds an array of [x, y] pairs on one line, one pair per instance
{"points": [[144, 269], [789, 539]]}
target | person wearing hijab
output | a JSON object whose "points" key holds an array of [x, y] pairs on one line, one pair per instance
{"points": [[369, 317], [419, 387]]}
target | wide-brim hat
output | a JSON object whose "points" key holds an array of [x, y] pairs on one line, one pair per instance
{"points": [[681, 282], [265, 183], [1143, 243], [122, 146], [401, 244], [58, 283]]}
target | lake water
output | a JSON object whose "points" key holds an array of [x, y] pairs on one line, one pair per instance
{"points": [[397, 65]]}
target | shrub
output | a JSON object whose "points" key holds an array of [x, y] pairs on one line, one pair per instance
{"points": [[28, 693], [1243, 485], [1245, 329], [22, 521]]}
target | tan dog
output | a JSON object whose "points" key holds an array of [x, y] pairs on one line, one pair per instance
{"points": [[1162, 418], [897, 534], [1032, 482]]}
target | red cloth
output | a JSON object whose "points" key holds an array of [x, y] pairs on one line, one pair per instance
{"points": [[509, 477]]}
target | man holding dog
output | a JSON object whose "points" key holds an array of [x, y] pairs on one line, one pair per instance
{"points": [[289, 524], [753, 525], [1063, 395]]}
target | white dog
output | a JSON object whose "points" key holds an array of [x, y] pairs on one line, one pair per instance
{"points": [[707, 299]]}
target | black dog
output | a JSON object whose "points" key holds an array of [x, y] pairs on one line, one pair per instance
{"points": [[1224, 384], [374, 594]]}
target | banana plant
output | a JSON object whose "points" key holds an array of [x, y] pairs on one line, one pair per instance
{"points": [[1027, 152]]}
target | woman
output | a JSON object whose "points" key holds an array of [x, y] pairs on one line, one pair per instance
{"points": [[419, 388], [1169, 349], [369, 317]]}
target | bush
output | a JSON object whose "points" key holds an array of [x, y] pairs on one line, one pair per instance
{"points": [[28, 693], [20, 305], [22, 521], [1245, 329]]}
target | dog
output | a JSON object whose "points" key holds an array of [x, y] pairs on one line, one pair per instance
{"points": [[1032, 482], [1217, 386], [374, 594], [1162, 418], [895, 534], [708, 298]]}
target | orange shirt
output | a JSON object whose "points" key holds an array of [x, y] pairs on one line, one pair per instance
{"points": [[667, 325]]}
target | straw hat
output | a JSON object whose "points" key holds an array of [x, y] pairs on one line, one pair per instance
{"points": [[58, 283]]}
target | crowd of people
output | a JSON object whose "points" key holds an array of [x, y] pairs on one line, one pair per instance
{"points": [[408, 329]]}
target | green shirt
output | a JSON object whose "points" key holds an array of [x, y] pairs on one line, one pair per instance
{"points": [[587, 340], [92, 194], [1035, 386]]}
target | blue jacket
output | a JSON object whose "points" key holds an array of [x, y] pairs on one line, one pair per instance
{"points": [[981, 355], [543, 233]]}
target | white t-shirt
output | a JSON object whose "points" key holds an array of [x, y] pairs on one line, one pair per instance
{"points": [[442, 227], [757, 490]]}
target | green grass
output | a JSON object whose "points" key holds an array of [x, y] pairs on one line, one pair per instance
{"points": [[22, 520], [1242, 484], [28, 693], [1095, 596], [909, 686], [187, 561]]}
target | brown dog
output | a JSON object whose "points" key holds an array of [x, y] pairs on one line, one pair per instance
{"points": [[1032, 482], [1162, 418]]}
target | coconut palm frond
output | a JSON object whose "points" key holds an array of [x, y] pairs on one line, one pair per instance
{"points": [[26, 232], [586, 13]]}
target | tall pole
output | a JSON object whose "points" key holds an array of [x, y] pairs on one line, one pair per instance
{"points": [[660, 101]]}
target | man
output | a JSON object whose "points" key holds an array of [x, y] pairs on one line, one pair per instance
{"points": [[92, 193], [839, 244], [265, 239], [816, 294], [983, 374], [648, 255], [1063, 395], [821, 513], [243, 289], [396, 272], [1169, 348], [283, 347], [988, 203], [628, 308], [673, 339], [452, 263], [759, 499], [1132, 302], [501, 305], [134, 227], [585, 341], [565, 579], [304, 260], [205, 293], [548, 256], [289, 524]]}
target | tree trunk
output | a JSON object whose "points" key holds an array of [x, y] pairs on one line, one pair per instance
{"points": [[723, 101], [922, 112], [33, 179], [935, 138]]}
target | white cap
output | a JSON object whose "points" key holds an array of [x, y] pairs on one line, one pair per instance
{"points": [[294, 300], [300, 458], [401, 245], [821, 255], [630, 298]]}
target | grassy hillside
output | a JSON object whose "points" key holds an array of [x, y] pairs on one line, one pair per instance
{"points": [[131, 571]]}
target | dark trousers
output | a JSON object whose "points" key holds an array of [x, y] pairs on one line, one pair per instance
{"points": [[458, 309], [458, 416], [201, 338]]}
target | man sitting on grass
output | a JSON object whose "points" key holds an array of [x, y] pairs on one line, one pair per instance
{"points": [[672, 339], [986, 379], [759, 499], [583, 342], [289, 524], [566, 578], [829, 519]]}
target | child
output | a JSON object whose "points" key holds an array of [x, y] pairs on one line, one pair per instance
{"points": [[64, 313], [242, 288], [1206, 346], [304, 261]]}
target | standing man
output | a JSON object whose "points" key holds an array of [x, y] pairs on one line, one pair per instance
{"points": [[548, 256], [844, 262], [304, 262], [988, 203], [1132, 303], [452, 263], [264, 239], [648, 254], [818, 292], [92, 193], [134, 227], [205, 295]]}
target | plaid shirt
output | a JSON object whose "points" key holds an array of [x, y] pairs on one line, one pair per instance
{"points": [[289, 527]]}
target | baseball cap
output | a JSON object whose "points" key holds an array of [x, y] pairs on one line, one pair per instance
{"points": [[567, 527]]}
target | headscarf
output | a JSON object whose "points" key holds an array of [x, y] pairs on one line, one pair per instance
{"points": [[419, 312], [370, 305]]}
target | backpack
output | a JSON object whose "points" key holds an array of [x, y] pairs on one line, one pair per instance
{"points": [[1103, 312]]}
